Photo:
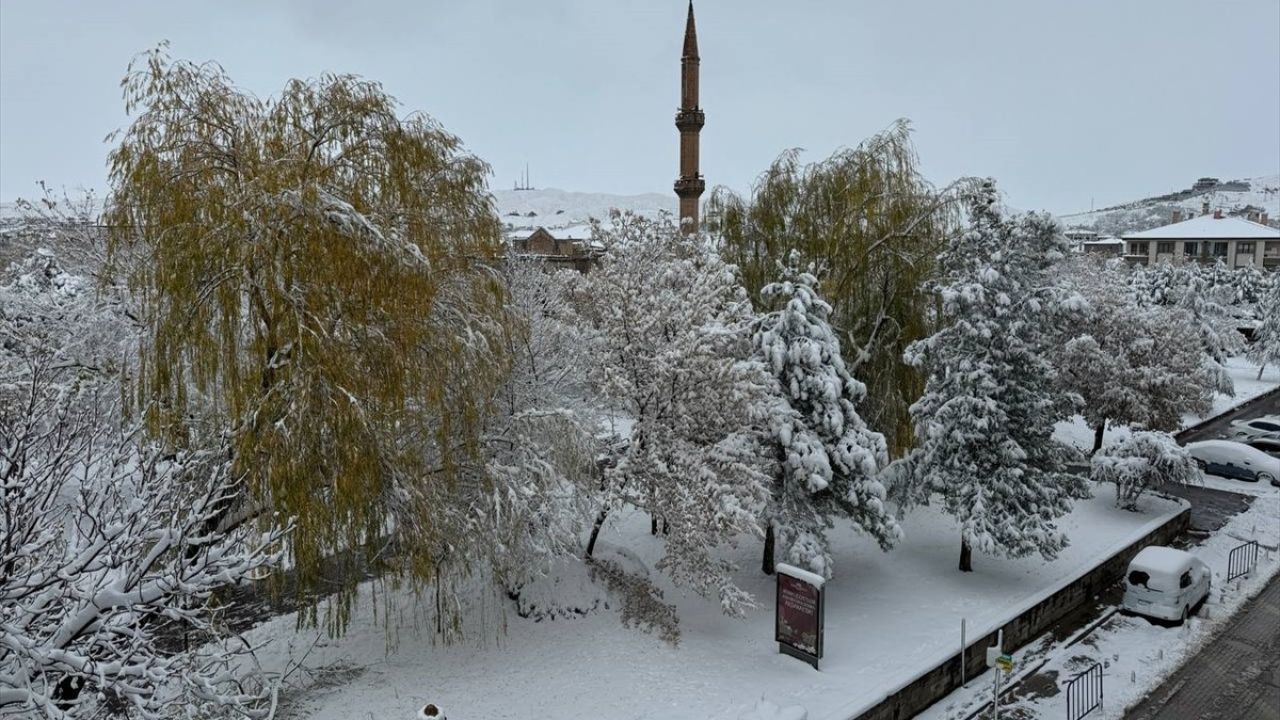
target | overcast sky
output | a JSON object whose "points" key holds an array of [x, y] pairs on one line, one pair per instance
{"points": [[1064, 103]]}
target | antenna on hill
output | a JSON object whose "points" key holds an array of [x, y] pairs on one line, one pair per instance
{"points": [[523, 183]]}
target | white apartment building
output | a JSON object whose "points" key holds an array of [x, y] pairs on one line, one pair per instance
{"points": [[1206, 239]]}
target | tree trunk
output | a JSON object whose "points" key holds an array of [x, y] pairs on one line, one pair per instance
{"points": [[595, 531], [1098, 432], [1261, 367], [767, 563], [653, 524], [966, 556]]}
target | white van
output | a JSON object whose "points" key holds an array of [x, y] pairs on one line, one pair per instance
{"points": [[1165, 583]]}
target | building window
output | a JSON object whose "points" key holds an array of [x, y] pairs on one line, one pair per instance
{"points": [[1191, 249], [1244, 248], [1219, 249], [1271, 249], [1139, 248], [1164, 248]]}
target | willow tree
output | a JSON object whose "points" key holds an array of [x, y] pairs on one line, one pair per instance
{"points": [[317, 298], [872, 226]]}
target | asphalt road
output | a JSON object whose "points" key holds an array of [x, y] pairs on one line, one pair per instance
{"points": [[1236, 677], [1266, 404]]}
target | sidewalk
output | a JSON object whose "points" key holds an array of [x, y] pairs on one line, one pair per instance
{"points": [[1236, 677]]}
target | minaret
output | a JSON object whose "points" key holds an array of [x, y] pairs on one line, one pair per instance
{"points": [[689, 121]]}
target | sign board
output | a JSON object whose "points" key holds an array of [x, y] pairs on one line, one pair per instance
{"points": [[799, 614], [1005, 663]]}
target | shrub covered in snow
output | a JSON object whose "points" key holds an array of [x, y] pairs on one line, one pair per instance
{"points": [[1140, 461]]}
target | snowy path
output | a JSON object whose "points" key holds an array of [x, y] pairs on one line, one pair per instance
{"points": [[1237, 677]]}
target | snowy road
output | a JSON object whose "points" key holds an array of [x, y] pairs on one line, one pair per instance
{"points": [[1267, 404], [1236, 677]]}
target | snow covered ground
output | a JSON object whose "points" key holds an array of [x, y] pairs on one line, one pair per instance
{"points": [[1137, 655], [1247, 384], [889, 617]]}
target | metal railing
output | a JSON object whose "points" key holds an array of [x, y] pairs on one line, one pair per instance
{"points": [[1242, 560], [1084, 693]]}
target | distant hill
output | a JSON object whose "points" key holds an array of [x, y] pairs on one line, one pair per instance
{"points": [[1234, 197], [568, 214]]}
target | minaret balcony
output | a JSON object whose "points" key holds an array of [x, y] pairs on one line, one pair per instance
{"points": [[690, 186], [690, 120]]}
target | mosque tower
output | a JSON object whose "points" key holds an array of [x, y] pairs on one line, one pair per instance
{"points": [[689, 121]]}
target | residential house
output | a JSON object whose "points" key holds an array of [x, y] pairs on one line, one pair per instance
{"points": [[1207, 239]]}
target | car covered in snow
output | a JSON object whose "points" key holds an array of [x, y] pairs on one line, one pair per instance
{"points": [[1270, 447], [1165, 583], [1267, 426], [1231, 459]]}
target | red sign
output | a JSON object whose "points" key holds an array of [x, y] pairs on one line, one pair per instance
{"points": [[798, 620]]}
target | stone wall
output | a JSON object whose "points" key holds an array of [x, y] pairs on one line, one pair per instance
{"points": [[940, 681]]}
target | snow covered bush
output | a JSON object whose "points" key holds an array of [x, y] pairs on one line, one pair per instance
{"points": [[1140, 461], [985, 423], [673, 353], [829, 459]]}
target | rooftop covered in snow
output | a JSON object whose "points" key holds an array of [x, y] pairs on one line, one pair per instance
{"points": [[1209, 226]]}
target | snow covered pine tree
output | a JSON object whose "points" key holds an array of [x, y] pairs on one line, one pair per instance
{"points": [[985, 423], [827, 457]]}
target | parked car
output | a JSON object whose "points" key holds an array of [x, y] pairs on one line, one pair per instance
{"points": [[1165, 583], [1270, 447], [1234, 460], [1267, 426]]}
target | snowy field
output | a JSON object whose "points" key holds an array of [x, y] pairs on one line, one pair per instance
{"points": [[1136, 654], [1247, 384], [889, 617]]}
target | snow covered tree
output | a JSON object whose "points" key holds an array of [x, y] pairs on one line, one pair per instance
{"points": [[985, 423], [1141, 461], [540, 440], [1193, 290], [1131, 365], [320, 287], [674, 354], [873, 227], [828, 458], [1265, 348], [106, 553]]}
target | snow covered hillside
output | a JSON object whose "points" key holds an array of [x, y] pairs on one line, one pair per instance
{"points": [[1232, 197], [572, 211]]}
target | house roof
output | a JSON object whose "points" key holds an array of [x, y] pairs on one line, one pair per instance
{"points": [[1208, 226]]}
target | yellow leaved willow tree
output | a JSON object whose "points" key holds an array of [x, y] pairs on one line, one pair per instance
{"points": [[317, 275], [872, 227]]}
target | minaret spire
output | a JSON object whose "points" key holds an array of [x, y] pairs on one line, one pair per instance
{"points": [[689, 121]]}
